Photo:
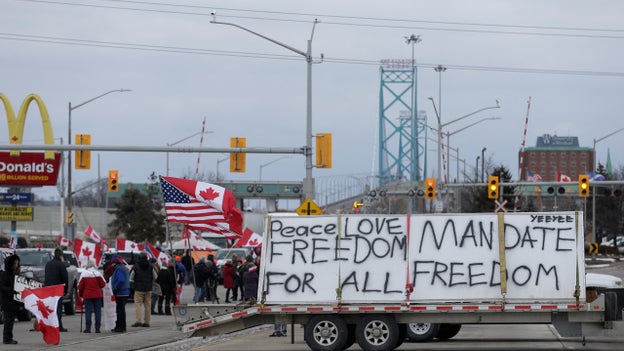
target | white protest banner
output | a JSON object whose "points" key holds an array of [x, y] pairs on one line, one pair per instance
{"points": [[445, 257]]}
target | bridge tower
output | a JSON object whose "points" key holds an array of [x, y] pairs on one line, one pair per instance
{"points": [[402, 132]]}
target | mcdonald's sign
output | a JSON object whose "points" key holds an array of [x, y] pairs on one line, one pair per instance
{"points": [[28, 168]]}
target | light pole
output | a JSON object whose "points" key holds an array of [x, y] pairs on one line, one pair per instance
{"points": [[596, 141], [448, 141], [441, 125], [439, 69], [477, 169], [181, 140], [413, 40], [308, 181], [483, 164], [268, 163], [70, 232], [218, 163]]}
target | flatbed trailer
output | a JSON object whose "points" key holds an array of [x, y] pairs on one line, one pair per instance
{"points": [[434, 270]]}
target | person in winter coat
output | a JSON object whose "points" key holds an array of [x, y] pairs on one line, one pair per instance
{"points": [[90, 289], [167, 281], [188, 262], [250, 282], [120, 282], [200, 271], [7, 290], [56, 273], [143, 275], [156, 291], [228, 279]]}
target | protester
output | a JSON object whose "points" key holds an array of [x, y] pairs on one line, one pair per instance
{"points": [[56, 273], [143, 275], [213, 279], [7, 289], [228, 280], [189, 263], [90, 290], [167, 281], [156, 291], [238, 279], [250, 280], [201, 277], [120, 282]]}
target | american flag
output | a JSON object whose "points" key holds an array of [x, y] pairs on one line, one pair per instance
{"points": [[533, 177], [182, 208]]}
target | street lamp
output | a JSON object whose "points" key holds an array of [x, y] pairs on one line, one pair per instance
{"points": [[441, 125], [70, 232], [218, 163], [477, 169], [448, 141], [308, 181], [268, 163], [596, 141], [483, 164], [184, 139]]}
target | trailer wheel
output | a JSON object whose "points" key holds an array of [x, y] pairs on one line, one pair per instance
{"points": [[377, 333], [402, 335], [326, 333], [448, 331], [422, 332], [611, 306], [350, 336]]}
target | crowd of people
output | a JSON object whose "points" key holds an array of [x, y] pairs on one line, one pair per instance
{"points": [[157, 286]]}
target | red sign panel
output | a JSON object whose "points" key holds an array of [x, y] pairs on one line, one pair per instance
{"points": [[29, 168]]}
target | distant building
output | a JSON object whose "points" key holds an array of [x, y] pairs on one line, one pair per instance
{"points": [[556, 154]]}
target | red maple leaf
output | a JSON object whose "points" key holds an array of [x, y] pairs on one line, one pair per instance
{"points": [[209, 194], [253, 242], [86, 252], [45, 310]]}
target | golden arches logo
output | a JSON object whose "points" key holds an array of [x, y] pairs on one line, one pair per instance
{"points": [[16, 123]]}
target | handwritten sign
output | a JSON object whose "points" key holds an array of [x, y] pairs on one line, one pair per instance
{"points": [[445, 257], [22, 283]]}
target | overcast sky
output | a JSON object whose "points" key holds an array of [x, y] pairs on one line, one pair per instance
{"points": [[566, 55]]}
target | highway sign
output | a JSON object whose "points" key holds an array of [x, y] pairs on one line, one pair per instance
{"points": [[16, 214], [309, 208], [594, 248], [16, 197]]}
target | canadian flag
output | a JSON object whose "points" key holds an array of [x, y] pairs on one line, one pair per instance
{"points": [[86, 251], [13, 242], [42, 303], [563, 178], [64, 242], [152, 251], [250, 239], [90, 232], [128, 245], [104, 246]]}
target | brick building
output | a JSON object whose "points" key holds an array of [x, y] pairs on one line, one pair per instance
{"points": [[556, 154]]}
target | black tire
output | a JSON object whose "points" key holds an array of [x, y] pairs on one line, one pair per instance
{"points": [[377, 333], [611, 306], [70, 307], [402, 335], [326, 333], [422, 332], [350, 336], [448, 331]]}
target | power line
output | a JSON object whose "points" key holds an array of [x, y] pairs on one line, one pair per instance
{"points": [[350, 61], [396, 23]]}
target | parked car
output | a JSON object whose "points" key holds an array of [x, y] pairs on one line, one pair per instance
{"points": [[33, 260]]}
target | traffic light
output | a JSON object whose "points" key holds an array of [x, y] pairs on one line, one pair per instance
{"points": [[69, 217], [323, 150], [430, 188], [83, 158], [113, 181], [237, 159], [493, 187], [583, 184]]}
